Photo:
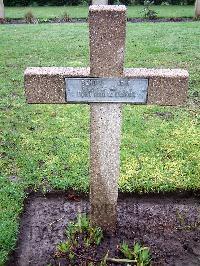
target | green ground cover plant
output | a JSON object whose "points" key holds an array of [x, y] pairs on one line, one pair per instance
{"points": [[82, 11], [80, 236], [82, 240], [45, 146]]}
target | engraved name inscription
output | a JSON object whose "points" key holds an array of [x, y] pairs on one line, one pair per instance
{"points": [[106, 90]]}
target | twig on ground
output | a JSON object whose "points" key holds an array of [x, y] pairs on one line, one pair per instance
{"points": [[120, 260], [57, 220]]}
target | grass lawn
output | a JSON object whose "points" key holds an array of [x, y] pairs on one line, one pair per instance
{"points": [[48, 145], [82, 12]]}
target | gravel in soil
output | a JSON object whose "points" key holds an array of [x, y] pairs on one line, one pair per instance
{"points": [[168, 224]]}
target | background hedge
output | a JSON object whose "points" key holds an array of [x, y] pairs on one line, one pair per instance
{"points": [[78, 2]]}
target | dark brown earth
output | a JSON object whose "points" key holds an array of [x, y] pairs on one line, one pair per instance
{"points": [[168, 224], [81, 20]]}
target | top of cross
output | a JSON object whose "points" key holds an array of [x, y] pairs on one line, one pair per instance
{"points": [[120, 8], [107, 47]]}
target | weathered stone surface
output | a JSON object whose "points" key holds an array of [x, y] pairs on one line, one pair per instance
{"points": [[107, 40], [47, 84], [107, 26], [105, 131], [166, 86]]}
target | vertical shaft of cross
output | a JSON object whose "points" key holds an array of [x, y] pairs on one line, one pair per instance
{"points": [[107, 43]]}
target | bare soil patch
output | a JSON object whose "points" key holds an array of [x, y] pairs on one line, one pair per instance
{"points": [[168, 224]]}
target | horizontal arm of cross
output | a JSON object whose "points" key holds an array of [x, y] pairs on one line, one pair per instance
{"points": [[47, 84]]}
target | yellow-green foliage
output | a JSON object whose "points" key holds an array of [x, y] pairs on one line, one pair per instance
{"points": [[160, 153]]}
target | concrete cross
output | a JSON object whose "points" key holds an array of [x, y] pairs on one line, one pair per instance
{"points": [[106, 85]]}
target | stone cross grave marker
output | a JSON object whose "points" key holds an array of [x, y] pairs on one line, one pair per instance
{"points": [[105, 86]]}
